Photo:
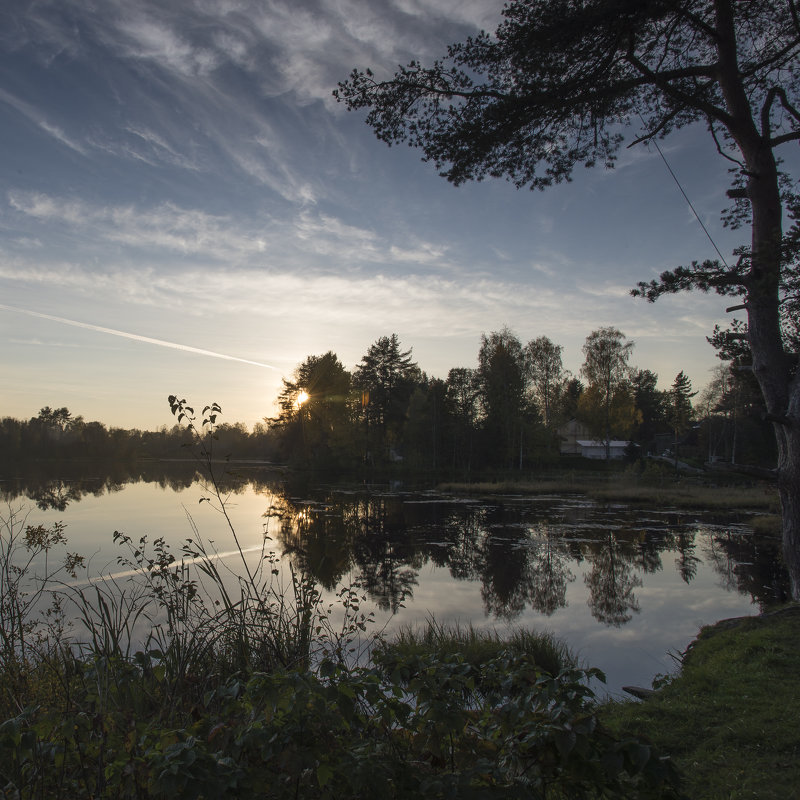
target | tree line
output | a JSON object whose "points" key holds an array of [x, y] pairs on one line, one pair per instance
{"points": [[57, 434], [505, 413]]}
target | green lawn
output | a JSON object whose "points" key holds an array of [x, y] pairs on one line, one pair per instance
{"points": [[731, 718]]}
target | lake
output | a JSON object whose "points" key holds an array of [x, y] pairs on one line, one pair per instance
{"points": [[626, 587]]}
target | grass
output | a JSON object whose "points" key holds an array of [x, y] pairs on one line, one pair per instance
{"points": [[729, 719], [476, 647], [688, 495], [654, 488], [766, 524]]}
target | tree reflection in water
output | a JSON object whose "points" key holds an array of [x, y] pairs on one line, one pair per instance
{"points": [[35, 480], [505, 572], [748, 564], [384, 552], [686, 561], [526, 568], [550, 561], [611, 581], [524, 552]]}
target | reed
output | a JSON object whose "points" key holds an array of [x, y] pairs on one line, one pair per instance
{"points": [[475, 646]]}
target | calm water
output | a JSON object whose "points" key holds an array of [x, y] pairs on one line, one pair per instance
{"points": [[624, 586]]}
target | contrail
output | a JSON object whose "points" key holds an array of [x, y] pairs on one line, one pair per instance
{"points": [[136, 337]]}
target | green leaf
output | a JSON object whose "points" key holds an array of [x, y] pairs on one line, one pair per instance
{"points": [[324, 774]]}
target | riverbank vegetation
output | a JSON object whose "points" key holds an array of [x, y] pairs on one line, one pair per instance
{"points": [[729, 717], [179, 680], [657, 486], [475, 647], [177, 677], [182, 681]]}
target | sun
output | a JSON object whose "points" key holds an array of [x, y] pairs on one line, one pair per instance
{"points": [[301, 398]]}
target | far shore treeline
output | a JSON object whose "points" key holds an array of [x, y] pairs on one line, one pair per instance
{"points": [[505, 414]]}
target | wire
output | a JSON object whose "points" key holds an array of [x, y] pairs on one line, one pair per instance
{"points": [[686, 198]]}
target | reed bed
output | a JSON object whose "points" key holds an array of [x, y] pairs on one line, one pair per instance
{"points": [[683, 493]]}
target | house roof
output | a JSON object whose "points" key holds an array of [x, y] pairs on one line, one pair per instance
{"points": [[595, 443]]}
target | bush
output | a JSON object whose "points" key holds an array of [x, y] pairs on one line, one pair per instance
{"points": [[436, 728]]}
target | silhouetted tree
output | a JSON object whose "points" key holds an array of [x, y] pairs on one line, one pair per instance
{"points": [[502, 382], [569, 399], [650, 402], [609, 418], [679, 411], [386, 377], [547, 374], [423, 432], [314, 419], [606, 353], [550, 89], [461, 399]]}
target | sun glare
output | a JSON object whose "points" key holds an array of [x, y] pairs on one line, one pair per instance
{"points": [[301, 398]]}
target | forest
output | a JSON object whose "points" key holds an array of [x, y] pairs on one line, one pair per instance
{"points": [[502, 415]]}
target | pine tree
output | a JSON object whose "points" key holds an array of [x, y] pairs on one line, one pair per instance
{"points": [[680, 413]]}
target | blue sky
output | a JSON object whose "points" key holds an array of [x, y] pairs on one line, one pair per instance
{"points": [[179, 173]]}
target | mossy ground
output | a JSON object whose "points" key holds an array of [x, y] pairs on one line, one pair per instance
{"points": [[731, 718]]}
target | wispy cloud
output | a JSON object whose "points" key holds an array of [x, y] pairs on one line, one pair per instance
{"points": [[224, 72], [147, 145], [310, 239], [38, 117], [154, 40], [165, 227], [423, 254]]}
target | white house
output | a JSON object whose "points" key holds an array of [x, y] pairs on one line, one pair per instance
{"points": [[591, 448]]}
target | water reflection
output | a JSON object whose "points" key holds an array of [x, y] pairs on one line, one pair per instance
{"points": [[55, 487], [611, 581], [748, 564], [525, 553]]}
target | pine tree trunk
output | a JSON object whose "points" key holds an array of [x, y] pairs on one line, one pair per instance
{"points": [[772, 366]]}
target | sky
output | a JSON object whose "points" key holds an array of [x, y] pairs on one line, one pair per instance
{"points": [[185, 209]]}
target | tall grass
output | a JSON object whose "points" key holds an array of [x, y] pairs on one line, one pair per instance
{"points": [[185, 618], [474, 646]]}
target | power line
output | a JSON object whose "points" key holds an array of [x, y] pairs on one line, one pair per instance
{"points": [[689, 202]]}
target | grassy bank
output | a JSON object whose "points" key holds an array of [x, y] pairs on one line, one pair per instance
{"points": [[474, 647], [653, 488], [730, 718]]}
